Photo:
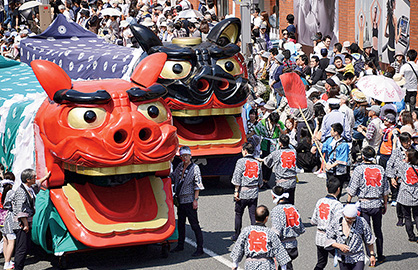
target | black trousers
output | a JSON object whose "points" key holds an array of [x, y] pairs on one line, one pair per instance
{"points": [[186, 210], [239, 211], [266, 170], [322, 257], [383, 160], [352, 266], [375, 214], [411, 98], [22, 246], [406, 211], [293, 254]]}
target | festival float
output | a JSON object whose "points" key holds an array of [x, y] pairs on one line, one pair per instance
{"points": [[108, 145], [207, 81]]}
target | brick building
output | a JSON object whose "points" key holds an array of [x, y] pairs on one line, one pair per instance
{"points": [[346, 14]]}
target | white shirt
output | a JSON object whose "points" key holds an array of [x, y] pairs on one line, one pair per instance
{"points": [[409, 75]]}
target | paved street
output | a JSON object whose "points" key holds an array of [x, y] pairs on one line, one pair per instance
{"points": [[216, 214]]}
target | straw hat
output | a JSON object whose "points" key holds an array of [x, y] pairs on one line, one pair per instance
{"points": [[359, 96], [399, 79]]}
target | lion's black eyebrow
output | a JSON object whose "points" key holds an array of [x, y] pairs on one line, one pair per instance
{"points": [[74, 96], [153, 92]]}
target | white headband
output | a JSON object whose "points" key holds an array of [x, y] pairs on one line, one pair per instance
{"points": [[184, 151], [277, 198], [6, 182], [350, 210]]}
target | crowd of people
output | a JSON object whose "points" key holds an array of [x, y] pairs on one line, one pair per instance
{"points": [[360, 144], [164, 20]]}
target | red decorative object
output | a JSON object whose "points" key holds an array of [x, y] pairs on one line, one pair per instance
{"points": [[257, 241], [251, 169], [294, 90], [411, 176], [106, 143], [288, 159], [373, 177], [324, 211], [292, 217]]}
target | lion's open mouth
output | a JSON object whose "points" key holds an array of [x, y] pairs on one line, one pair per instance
{"points": [[105, 208], [210, 131]]}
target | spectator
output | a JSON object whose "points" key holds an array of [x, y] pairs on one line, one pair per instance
{"points": [[399, 62], [409, 71]]}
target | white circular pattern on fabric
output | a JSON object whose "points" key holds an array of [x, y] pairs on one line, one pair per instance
{"points": [[115, 56], [28, 44], [91, 57], [46, 47], [9, 134], [37, 41], [114, 67], [57, 45], [14, 112], [105, 66], [87, 68], [66, 53], [66, 42], [27, 55], [23, 78], [7, 89], [94, 65], [22, 84], [81, 55], [31, 90], [60, 63], [6, 79], [80, 68], [41, 50], [62, 29], [49, 39], [125, 58], [125, 67], [74, 38], [21, 51], [40, 57], [71, 66], [81, 45], [53, 61], [33, 57], [72, 47]]}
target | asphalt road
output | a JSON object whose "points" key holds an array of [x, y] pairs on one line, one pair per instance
{"points": [[216, 215]]}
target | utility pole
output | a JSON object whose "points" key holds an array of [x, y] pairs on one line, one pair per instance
{"points": [[246, 44]]}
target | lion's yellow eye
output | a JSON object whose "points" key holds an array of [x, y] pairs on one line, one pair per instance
{"points": [[230, 65], [154, 111], [86, 118], [175, 70]]}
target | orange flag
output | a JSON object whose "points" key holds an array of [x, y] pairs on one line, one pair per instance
{"points": [[294, 90]]}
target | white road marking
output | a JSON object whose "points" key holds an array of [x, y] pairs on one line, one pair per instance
{"points": [[217, 257]]}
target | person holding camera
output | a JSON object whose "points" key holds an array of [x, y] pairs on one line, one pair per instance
{"points": [[187, 185]]}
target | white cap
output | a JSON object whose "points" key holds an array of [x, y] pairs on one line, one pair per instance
{"points": [[185, 150], [334, 101]]}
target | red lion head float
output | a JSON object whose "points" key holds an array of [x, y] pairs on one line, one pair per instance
{"points": [[107, 143]]}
